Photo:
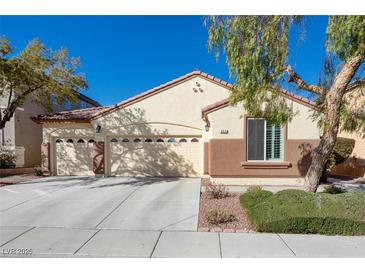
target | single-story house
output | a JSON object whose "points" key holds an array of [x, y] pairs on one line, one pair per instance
{"points": [[185, 127]]}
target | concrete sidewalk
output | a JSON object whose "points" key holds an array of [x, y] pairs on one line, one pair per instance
{"points": [[71, 242]]}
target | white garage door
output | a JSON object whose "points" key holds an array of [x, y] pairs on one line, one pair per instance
{"points": [[137, 156], [74, 156]]}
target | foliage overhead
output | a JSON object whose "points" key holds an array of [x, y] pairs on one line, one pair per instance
{"points": [[38, 73], [257, 49]]}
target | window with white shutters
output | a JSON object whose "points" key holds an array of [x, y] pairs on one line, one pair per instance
{"points": [[264, 141]]}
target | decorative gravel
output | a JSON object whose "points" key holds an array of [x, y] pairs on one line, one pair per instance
{"points": [[230, 204]]}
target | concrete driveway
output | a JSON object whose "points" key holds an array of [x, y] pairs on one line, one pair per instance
{"points": [[107, 203]]}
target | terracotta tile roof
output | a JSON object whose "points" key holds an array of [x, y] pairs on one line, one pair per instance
{"points": [[215, 106], [78, 115]]}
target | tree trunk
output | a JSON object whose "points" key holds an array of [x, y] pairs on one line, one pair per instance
{"points": [[333, 103], [319, 159]]}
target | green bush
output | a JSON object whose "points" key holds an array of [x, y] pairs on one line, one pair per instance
{"points": [[334, 190], [7, 158], [297, 211], [341, 152], [253, 196]]}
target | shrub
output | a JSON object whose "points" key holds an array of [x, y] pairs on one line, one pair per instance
{"points": [[331, 189], [7, 158], [217, 191], [341, 152], [253, 196], [297, 211], [38, 171], [219, 216]]}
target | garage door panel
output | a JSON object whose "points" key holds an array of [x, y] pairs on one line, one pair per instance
{"points": [[74, 158], [154, 158]]}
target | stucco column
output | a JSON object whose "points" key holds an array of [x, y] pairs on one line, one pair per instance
{"points": [[98, 158], [45, 158]]}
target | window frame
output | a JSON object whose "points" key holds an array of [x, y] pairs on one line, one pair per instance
{"points": [[282, 149]]}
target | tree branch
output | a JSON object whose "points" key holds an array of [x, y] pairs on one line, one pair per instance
{"points": [[10, 94], [294, 77]]}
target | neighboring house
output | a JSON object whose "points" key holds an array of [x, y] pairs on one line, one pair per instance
{"points": [[23, 137], [355, 165], [185, 127]]}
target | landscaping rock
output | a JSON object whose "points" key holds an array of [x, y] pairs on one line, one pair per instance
{"points": [[216, 229], [229, 230], [230, 204]]}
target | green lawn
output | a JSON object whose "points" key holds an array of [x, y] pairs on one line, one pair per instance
{"points": [[297, 211]]}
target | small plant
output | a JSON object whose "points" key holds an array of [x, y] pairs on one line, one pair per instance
{"points": [[254, 188], [219, 216], [38, 171], [334, 189], [7, 159], [217, 191]]}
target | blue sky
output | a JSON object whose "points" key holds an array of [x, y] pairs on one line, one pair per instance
{"points": [[125, 55]]}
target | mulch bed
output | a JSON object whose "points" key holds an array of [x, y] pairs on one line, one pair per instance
{"points": [[230, 204]]}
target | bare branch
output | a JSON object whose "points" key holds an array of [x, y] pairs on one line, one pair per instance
{"points": [[294, 77], [10, 94]]}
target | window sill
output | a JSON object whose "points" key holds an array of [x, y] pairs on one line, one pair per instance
{"points": [[265, 165]]}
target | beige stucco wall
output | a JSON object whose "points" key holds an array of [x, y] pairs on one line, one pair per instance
{"points": [[29, 134], [231, 118], [359, 149], [356, 98], [174, 111], [64, 130], [302, 126]]}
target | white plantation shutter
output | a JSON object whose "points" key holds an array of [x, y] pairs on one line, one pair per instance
{"points": [[274, 142]]}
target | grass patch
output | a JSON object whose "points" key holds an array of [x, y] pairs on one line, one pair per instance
{"points": [[297, 211]]}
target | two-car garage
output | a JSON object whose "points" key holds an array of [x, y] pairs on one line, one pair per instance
{"points": [[132, 156], [154, 156]]}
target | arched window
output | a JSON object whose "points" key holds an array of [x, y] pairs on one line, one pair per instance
{"points": [[148, 140], [159, 140], [69, 141], [59, 141], [171, 140], [194, 140], [137, 140], [91, 141], [183, 140], [114, 140], [80, 141], [125, 140]]}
